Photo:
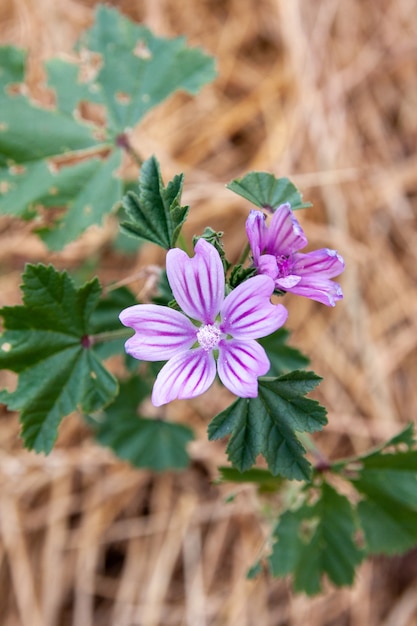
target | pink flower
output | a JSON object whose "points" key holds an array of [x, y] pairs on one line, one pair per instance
{"points": [[211, 325], [274, 252]]}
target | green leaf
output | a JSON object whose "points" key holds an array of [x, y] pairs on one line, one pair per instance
{"points": [[105, 319], [267, 425], [163, 293], [315, 540], [144, 442], [153, 67], [155, 214], [405, 437], [46, 342], [99, 195], [283, 358], [28, 132], [34, 140], [264, 479], [215, 238], [388, 510], [266, 191], [239, 274]]}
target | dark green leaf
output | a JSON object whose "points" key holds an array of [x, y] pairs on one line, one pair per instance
{"points": [[239, 274], [45, 342], [144, 442], [215, 238], [155, 214], [266, 191], [254, 570], [405, 437], [283, 358], [388, 511], [105, 319], [163, 293], [315, 540], [267, 425], [264, 479]]}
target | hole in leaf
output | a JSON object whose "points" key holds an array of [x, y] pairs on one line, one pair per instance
{"points": [[145, 97], [307, 528], [99, 134], [4, 187], [16, 170], [93, 375], [3, 127], [142, 51], [48, 217], [53, 167], [91, 64], [6, 346], [122, 97], [15, 89], [92, 112]]}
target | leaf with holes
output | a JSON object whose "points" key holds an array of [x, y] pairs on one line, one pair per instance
{"points": [[268, 424], [52, 157], [266, 191], [46, 341]]}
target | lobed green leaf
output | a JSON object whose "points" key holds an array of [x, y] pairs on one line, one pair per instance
{"points": [[46, 342], [264, 190], [33, 139], [317, 539], [267, 425], [155, 213], [388, 509]]}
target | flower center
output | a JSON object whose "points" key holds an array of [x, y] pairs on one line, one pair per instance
{"points": [[284, 265], [208, 336]]}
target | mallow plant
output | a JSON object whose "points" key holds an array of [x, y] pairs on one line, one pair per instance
{"points": [[207, 322]]}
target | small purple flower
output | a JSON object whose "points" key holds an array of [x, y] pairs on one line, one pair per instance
{"points": [[227, 326], [274, 252]]}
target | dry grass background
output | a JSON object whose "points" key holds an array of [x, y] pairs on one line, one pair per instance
{"points": [[323, 92]]}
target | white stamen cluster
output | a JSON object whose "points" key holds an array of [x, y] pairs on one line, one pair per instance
{"points": [[208, 337]]}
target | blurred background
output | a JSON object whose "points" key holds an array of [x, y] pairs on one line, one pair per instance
{"points": [[325, 93]]}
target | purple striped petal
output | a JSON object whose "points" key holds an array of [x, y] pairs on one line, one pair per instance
{"points": [[160, 332], [325, 291], [267, 265], [287, 282], [197, 283], [247, 312], [239, 365], [325, 262], [285, 234], [257, 233], [186, 375]]}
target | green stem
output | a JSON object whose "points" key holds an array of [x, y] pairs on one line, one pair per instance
{"points": [[244, 254], [322, 462], [182, 243], [122, 141], [110, 335]]}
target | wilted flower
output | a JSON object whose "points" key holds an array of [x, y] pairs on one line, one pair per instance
{"points": [[211, 325], [274, 252]]}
